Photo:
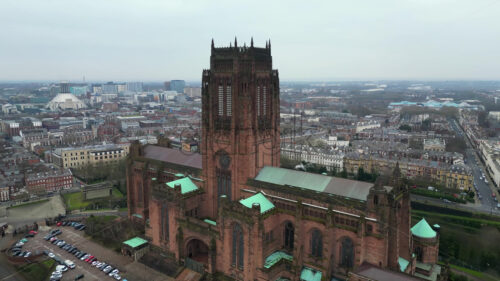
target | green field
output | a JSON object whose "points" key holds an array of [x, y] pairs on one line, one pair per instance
{"points": [[37, 271], [74, 201], [29, 203], [117, 193], [477, 274]]}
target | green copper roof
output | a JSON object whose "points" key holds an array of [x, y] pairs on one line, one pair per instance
{"points": [[210, 222], [179, 175], [423, 230], [403, 264], [135, 242], [187, 185], [309, 274], [320, 183], [265, 204], [275, 257]]}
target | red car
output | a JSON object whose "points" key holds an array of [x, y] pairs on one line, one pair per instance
{"points": [[89, 258], [59, 223], [33, 232]]}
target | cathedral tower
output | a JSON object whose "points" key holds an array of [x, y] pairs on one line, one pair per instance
{"points": [[240, 97]]}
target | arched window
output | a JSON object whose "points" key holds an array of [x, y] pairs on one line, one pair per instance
{"points": [[316, 243], [419, 253], [289, 233], [238, 252], [347, 253]]}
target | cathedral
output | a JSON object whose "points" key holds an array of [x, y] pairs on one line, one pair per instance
{"points": [[231, 212]]}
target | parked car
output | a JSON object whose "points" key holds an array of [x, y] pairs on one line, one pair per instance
{"points": [[28, 254], [61, 268], [51, 255], [59, 223], [78, 277], [70, 264]]}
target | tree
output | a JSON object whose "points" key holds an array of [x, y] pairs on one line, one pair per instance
{"points": [[405, 127]]}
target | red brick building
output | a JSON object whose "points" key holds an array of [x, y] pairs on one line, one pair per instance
{"points": [[49, 181], [233, 213]]}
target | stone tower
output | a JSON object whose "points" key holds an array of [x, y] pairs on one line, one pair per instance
{"points": [[240, 97]]}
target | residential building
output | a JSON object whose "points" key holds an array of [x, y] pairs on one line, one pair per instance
{"points": [[75, 157], [457, 176], [51, 181], [490, 154], [434, 144]]}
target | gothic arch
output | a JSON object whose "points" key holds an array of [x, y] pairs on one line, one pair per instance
{"points": [[346, 252], [316, 243], [288, 235]]}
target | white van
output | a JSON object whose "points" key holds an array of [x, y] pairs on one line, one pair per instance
{"points": [[69, 263]]}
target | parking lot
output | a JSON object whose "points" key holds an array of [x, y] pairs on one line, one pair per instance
{"points": [[75, 238]]}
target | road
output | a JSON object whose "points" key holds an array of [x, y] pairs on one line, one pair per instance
{"points": [[487, 202]]}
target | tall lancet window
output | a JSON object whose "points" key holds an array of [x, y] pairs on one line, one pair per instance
{"points": [[258, 100], [264, 100], [229, 101], [221, 100]]}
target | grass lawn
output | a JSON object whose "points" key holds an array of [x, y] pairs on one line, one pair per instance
{"points": [[37, 271], [74, 201], [480, 275], [28, 204], [465, 221], [117, 193]]}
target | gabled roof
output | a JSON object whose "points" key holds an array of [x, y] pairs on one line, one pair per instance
{"points": [[309, 274], [403, 264], [265, 204], [423, 230], [174, 156], [275, 257], [320, 183], [187, 185], [135, 242]]}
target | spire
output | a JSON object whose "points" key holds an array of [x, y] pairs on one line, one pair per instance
{"points": [[251, 42], [235, 42], [269, 45], [213, 43]]}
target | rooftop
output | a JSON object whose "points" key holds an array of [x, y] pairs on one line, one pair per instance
{"points": [[423, 230], [135, 242], [259, 198], [174, 156], [187, 185], [320, 183]]}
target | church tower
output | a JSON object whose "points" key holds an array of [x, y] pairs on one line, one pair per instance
{"points": [[240, 126]]}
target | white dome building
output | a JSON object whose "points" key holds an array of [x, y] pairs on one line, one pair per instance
{"points": [[65, 101]]}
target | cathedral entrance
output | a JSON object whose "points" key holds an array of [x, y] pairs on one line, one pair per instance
{"points": [[196, 255]]}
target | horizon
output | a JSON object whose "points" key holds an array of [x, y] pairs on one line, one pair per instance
{"points": [[160, 41]]}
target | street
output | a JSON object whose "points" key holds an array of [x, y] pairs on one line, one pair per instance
{"points": [[487, 203]]}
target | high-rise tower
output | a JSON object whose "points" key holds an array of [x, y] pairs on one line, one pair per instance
{"points": [[240, 97]]}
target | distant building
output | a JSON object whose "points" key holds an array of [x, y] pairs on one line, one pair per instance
{"points": [[134, 86], [4, 193], [434, 145], [192, 92], [75, 157], [177, 85], [38, 183], [109, 88], [65, 101]]}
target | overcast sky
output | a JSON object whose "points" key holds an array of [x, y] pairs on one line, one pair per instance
{"points": [[160, 40]]}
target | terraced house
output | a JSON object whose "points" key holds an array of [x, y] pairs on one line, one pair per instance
{"points": [[231, 213]]}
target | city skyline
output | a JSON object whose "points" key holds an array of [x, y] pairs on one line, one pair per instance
{"points": [[157, 40]]}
